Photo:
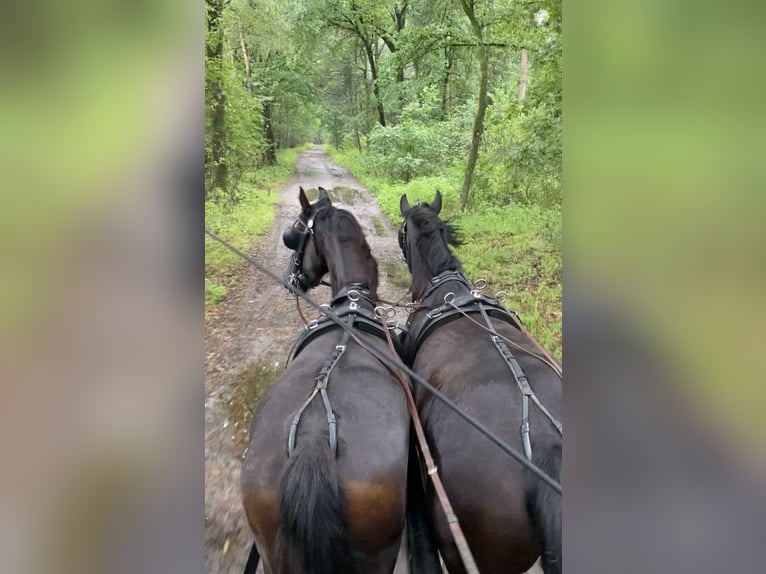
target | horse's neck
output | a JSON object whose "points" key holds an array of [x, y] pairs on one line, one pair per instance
{"points": [[349, 265], [423, 272], [422, 280], [450, 285]]}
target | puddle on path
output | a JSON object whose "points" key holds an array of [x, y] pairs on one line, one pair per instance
{"points": [[397, 273], [248, 387]]}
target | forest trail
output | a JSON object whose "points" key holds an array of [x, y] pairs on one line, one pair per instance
{"points": [[248, 336]]}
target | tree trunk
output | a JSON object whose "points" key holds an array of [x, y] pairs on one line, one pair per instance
{"points": [[478, 123], [268, 133], [375, 86], [247, 62], [445, 81], [348, 73], [523, 75], [399, 16], [217, 97]]}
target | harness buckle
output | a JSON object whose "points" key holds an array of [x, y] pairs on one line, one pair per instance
{"points": [[340, 348], [353, 306], [312, 324], [434, 314]]}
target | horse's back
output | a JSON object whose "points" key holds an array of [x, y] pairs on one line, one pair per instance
{"points": [[371, 458], [486, 487]]}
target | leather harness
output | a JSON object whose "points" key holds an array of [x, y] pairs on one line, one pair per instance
{"points": [[354, 306], [473, 302]]}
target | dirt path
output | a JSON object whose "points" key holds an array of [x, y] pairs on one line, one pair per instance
{"points": [[248, 336]]}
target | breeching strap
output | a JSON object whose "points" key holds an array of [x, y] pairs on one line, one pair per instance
{"points": [[452, 521]]}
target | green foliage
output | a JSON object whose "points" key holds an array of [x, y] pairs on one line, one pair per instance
{"points": [[420, 144], [521, 157], [323, 69], [514, 247], [253, 63], [241, 222]]}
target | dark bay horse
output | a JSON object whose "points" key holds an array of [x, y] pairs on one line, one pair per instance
{"points": [[325, 475], [509, 517]]}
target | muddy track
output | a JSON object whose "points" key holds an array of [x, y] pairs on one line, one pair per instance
{"points": [[248, 336]]}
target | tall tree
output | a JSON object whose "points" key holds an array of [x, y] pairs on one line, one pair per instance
{"points": [[469, 7], [215, 93], [358, 21]]}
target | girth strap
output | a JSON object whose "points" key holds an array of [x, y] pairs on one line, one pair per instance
{"points": [[320, 387]]}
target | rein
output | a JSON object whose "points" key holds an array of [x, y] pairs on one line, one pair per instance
{"points": [[454, 525], [398, 364]]}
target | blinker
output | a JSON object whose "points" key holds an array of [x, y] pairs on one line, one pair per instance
{"points": [[291, 238], [403, 244]]}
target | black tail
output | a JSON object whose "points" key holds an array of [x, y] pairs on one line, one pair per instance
{"points": [[424, 558], [544, 508], [312, 537], [252, 561]]}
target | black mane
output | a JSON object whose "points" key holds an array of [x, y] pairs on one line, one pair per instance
{"points": [[343, 227], [432, 238]]}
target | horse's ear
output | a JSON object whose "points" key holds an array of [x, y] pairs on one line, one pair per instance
{"points": [[437, 203], [305, 205], [404, 205], [324, 195]]}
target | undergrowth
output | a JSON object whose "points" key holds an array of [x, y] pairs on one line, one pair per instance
{"points": [[515, 248], [241, 222]]}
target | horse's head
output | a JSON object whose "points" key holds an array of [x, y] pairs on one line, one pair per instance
{"points": [[307, 265], [425, 240]]}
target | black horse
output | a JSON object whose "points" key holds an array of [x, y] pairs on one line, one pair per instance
{"points": [[472, 349], [325, 475]]}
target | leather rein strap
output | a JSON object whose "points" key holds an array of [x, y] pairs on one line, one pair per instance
{"points": [[452, 520], [350, 301], [320, 386]]}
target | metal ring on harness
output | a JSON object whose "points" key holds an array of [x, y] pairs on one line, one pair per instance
{"points": [[383, 312], [501, 296], [449, 298], [480, 284]]}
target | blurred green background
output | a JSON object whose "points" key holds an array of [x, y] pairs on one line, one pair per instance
{"points": [[664, 179]]}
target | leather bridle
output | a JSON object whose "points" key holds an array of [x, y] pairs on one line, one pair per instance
{"points": [[297, 238]]}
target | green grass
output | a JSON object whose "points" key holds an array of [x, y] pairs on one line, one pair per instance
{"points": [[242, 222], [380, 228], [515, 248]]}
